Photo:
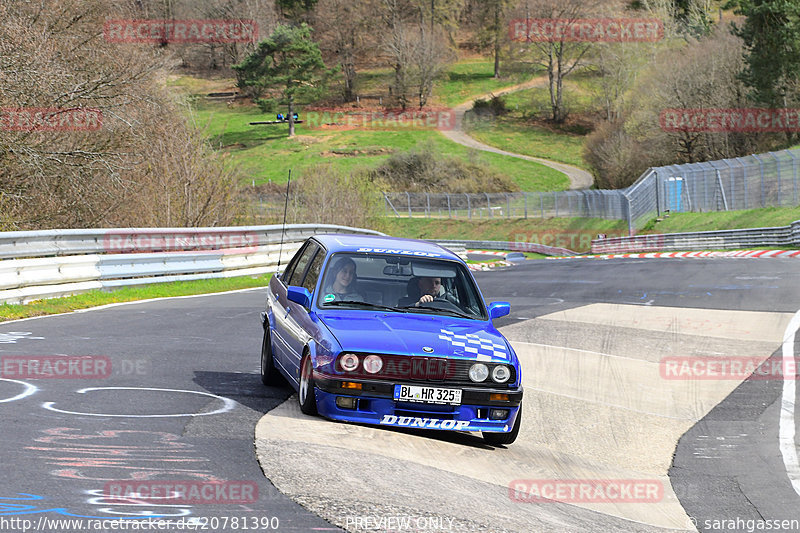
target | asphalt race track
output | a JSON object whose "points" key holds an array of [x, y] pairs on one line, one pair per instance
{"points": [[173, 396]]}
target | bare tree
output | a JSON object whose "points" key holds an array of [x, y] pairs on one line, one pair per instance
{"points": [[53, 55], [561, 57], [347, 33]]}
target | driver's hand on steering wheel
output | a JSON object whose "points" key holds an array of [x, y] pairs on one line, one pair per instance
{"points": [[426, 298]]}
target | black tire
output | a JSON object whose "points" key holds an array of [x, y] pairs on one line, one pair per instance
{"points": [[269, 374], [305, 392], [499, 439]]}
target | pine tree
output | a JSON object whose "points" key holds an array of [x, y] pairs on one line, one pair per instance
{"points": [[771, 33], [288, 61]]}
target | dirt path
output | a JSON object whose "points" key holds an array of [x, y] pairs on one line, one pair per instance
{"points": [[579, 178]]}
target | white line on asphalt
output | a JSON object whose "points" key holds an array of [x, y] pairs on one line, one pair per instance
{"points": [[29, 389], [132, 302], [787, 426], [228, 403]]}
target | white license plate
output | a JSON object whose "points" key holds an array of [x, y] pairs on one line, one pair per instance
{"points": [[415, 393]]}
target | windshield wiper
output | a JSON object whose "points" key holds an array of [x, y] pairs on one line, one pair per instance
{"points": [[450, 311], [365, 304]]}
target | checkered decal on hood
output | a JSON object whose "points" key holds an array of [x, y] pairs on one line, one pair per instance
{"points": [[485, 349]]}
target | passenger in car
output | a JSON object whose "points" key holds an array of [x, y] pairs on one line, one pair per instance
{"points": [[341, 281]]}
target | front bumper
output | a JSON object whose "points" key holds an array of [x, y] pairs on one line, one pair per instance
{"points": [[376, 405]]}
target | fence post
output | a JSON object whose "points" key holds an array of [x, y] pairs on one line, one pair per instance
{"points": [[428, 204], [761, 167], [449, 213], [794, 174], [541, 199], [555, 202], [778, 171], [408, 197], [525, 195], [488, 204], [469, 207], [508, 205]]}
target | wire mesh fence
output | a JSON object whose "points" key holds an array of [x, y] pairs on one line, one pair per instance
{"points": [[588, 203], [761, 180]]}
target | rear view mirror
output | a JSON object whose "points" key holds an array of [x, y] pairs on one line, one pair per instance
{"points": [[397, 270]]}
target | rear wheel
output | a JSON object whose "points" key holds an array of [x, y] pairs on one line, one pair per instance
{"points": [[269, 374], [306, 392], [498, 439]]}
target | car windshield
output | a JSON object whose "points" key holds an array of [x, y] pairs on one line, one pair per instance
{"points": [[399, 284]]}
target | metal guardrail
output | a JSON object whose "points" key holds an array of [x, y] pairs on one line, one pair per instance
{"points": [[506, 245], [47, 264], [785, 236]]}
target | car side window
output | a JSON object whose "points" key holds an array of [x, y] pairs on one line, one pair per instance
{"points": [[312, 275], [287, 274], [302, 262]]}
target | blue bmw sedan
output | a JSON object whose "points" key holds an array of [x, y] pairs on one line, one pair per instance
{"points": [[391, 332]]}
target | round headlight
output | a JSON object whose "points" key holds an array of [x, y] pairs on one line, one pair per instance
{"points": [[500, 374], [478, 372], [349, 362], [373, 364]]}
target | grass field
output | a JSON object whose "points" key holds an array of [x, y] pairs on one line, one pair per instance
{"points": [[127, 294], [525, 130], [750, 218], [264, 153]]}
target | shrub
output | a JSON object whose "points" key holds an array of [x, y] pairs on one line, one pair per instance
{"points": [[421, 170]]}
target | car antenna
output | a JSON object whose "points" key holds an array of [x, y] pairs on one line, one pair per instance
{"points": [[283, 228]]}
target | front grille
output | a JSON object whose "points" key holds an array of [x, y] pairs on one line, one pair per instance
{"points": [[424, 370]]}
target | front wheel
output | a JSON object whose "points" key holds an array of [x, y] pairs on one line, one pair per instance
{"points": [[269, 374], [306, 393], [498, 439]]}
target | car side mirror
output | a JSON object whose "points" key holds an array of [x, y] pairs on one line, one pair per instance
{"points": [[498, 309], [299, 295]]}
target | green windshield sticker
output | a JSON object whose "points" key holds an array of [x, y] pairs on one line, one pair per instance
{"points": [[329, 298]]}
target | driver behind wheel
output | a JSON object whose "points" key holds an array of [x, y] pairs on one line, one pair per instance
{"points": [[424, 290]]}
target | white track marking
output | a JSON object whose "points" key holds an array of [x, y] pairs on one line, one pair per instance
{"points": [[29, 389], [229, 404], [787, 426], [133, 302]]}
